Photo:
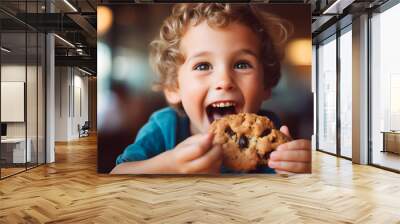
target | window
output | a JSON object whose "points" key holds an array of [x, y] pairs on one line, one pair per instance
{"points": [[385, 89], [327, 95], [346, 92], [22, 76]]}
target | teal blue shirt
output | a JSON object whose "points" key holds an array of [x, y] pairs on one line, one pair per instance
{"points": [[166, 129]]}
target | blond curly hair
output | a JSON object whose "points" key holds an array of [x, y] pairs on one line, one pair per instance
{"points": [[165, 56]]}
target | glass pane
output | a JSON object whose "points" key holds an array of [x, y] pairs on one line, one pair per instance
{"points": [[41, 98], [31, 97], [31, 85], [345, 94], [13, 86], [327, 96], [385, 86]]}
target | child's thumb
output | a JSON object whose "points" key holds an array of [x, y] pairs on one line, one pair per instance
{"points": [[207, 140], [285, 130]]}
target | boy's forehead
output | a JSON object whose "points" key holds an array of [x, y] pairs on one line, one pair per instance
{"points": [[234, 35]]}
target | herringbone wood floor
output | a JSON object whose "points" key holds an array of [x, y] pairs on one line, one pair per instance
{"points": [[70, 191]]}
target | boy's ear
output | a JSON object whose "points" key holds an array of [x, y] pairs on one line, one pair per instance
{"points": [[266, 93], [172, 95]]}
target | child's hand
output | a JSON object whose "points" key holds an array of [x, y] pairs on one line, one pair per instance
{"points": [[195, 155], [292, 157]]}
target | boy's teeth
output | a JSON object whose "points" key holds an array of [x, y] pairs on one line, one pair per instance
{"points": [[222, 104]]}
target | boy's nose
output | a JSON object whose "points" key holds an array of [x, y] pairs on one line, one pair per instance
{"points": [[224, 86], [224, 82]]}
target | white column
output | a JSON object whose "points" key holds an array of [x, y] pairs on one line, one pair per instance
{"points": [[360, 90], [50, 93], [50, 99]]}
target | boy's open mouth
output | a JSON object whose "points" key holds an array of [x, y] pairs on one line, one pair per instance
{"points": [[219, 109]]}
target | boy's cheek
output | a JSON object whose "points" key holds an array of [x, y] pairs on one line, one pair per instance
{"points": [[266, 94]]}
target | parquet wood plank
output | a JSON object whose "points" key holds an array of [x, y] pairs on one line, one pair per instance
{"points": [[70, 191]]}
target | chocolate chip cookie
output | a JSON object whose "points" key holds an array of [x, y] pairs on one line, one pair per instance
{"points": [[247, 140]]}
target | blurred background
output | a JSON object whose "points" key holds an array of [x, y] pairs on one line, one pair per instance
{"points": [[125, 98]]}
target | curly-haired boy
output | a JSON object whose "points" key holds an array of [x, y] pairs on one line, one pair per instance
{"points": [[211, 54]]}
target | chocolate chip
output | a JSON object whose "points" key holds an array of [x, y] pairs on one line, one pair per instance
{"points": [[243, 142], [266, 155], [229, 131], [265, 132], [273, 139]]}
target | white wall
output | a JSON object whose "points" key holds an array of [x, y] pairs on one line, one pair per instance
{"points": [[12, 73], [71, 93], [62, 81], [33, 127], [81, 102]]}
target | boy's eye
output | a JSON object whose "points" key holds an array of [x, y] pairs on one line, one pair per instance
{"points": [[242, 65], [202, 66]]}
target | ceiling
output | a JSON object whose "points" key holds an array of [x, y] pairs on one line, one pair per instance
{"points": [[72, 20], [329, 16]]}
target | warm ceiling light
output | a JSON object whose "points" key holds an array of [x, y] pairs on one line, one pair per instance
{"points": [[5, 49], [65, 41], [104, 19], [300, 52], [70, 5]]}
